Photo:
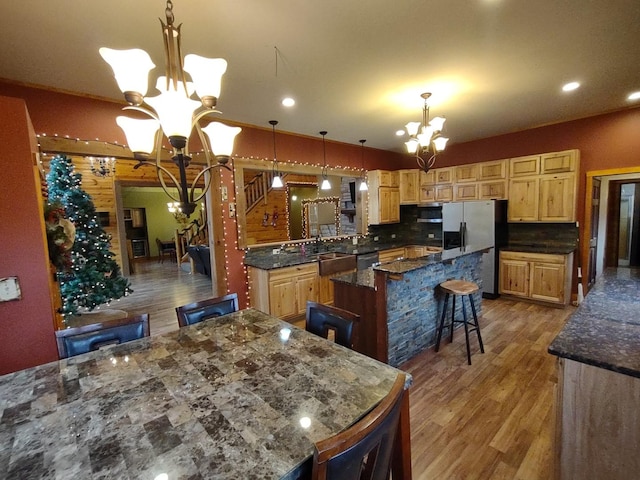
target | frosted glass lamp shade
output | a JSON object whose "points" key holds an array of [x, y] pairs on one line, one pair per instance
{"points": [[161, 85], [141, 134], [437, 123], [277, 182], [425, 137], [221, 138], [325, 184], [175, 112], [440, 143], [412, 146], [363, 185], [130, 67], [206, 74], [412, 128]]}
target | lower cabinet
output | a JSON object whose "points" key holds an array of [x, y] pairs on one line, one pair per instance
{"points": [[537, 276], [385, 256], [283, 292]]}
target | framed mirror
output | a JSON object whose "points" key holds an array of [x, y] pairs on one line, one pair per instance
{"points": [[274, 216]]}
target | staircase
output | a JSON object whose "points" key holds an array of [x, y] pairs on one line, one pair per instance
{"points": [[257, 189]]}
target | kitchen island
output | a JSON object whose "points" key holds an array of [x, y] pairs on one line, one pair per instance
{"points": [[399, 303], [241, 396], [598, 420]]}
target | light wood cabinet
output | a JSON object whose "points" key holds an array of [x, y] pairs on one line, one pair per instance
{"points": [[524, 166], [389, 255], [494, 170], [493, 190], [427, 193], [427, 178], [443, 175], [443, 193], [557, 198], [558, 162], [466, 173], [465, 191], [524, 194], [537, 276], [327, 287], [283, 292], [384, 199], [409, 186]]}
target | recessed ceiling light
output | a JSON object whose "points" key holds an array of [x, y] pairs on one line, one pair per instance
{"points": [[570, 87], [288, 102], [634, 96], [400, 133]]}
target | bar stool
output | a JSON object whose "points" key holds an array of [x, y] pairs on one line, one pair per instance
{"points": [[463, 289]]}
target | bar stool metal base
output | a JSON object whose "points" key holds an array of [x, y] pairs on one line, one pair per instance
{"points": [[463, 289]]}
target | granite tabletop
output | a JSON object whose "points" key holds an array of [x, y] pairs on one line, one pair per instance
{"points": [[605, 329], [229, 398]]}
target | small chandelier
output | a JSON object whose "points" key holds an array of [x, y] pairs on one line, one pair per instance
{"points": [[325, 185], [176, 210], [277, 178], [173, 110], [103, 166], [363, 180], [429, 142]]}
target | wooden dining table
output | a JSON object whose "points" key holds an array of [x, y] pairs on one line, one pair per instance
{"points": [[243, 396]]}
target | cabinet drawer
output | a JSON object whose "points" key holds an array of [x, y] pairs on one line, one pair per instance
{"points": [[289, 272], [533, 257], [523, 166], [559, 162]]}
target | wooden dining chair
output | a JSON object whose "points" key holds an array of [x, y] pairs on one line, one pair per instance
{"points": [[321, 319], [363, 451], [86, 338], [213, 307]]}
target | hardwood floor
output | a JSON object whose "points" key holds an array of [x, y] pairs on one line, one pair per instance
{"points": [[493, 419], [158, 288]]}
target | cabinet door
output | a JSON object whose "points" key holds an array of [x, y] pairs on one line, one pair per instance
{"points": [[547, 282], [385, 256], [514, 277], [306, 288], [444, 175], [523, 166], [444, 193], [282, 297], [523, 200], [427, 178], [389, 205], [557, 198], [495, 190], [558, 162], [427, 193], [466, 173], [465, 191], [492, 170], [409, 186]]}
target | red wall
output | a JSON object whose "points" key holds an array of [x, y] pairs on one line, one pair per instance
{"points": [[27, 330]]}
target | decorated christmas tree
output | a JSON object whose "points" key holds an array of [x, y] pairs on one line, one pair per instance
{"points": [[94, 277]]}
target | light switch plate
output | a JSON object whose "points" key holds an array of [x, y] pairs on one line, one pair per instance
{"points": [[9, 289]]}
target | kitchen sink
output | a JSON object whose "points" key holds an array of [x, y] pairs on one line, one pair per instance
{"points": [[335, 262]]}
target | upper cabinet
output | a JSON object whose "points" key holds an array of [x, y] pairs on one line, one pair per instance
{"points": [[542, 188], [409, 186], [384, 196]]}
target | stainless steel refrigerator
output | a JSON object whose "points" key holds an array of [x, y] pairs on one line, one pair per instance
{"points": [[477, 223]]}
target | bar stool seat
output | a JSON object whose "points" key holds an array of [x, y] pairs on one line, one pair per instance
{"points": [[463, 289]]}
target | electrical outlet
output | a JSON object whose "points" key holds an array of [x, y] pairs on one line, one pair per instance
{"points": [[375, 239], [276, 251], [354, 240], [224, 193], [393, 235], [232, 210], [431, 235]]}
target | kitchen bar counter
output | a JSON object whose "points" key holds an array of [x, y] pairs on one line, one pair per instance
{"points": [[605, 330], [222, 399]]}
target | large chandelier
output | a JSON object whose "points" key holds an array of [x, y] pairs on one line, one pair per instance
{"points": [[429, 142], [174, 111]]}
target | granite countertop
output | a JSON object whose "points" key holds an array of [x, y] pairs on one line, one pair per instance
{"points": [[365, 278], [558, 249], [605, 329], [220, 399]]}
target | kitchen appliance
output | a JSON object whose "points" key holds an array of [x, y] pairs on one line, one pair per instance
{"points": [[477, 223]]}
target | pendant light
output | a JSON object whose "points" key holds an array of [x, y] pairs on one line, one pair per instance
{"points": [[277, 179], [363, 180], [325, 185]]}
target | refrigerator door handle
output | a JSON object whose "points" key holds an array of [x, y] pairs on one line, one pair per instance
{"points": [[463, 235]]}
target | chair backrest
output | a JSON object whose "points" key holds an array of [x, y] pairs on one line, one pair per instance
{"points": [[320, 319], [363, 451], [86, 338], [213, 307]]}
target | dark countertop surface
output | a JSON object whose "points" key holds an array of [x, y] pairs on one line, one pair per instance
{"points": [[364, 278], [559, 249], [605, 329], [219, 399]]}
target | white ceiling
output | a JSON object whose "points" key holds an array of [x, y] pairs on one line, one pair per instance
{"points": [[355, 67]]}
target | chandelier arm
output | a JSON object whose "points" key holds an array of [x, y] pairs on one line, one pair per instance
{"points": [[159, 170], [202, 114], [203, 139], [208, 182], [144, 110]]}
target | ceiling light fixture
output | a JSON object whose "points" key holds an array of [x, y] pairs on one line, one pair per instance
{"points": [[103, 166], [173, 110], [277, 179], [429, 142], [634, 96], [570, 87], [325, 185], [363, 180]]}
